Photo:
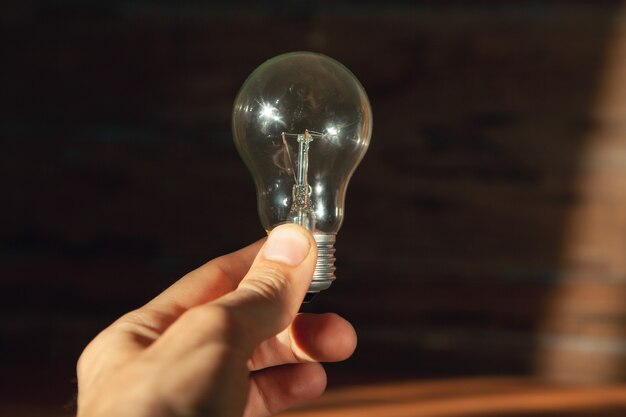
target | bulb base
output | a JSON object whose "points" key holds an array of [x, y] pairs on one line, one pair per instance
{"points": [[324, 274]]}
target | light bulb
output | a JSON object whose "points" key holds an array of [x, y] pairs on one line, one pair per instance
{"points": [[302, 123]]}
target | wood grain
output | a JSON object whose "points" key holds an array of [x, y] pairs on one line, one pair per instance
{"points": [[468, 398]]}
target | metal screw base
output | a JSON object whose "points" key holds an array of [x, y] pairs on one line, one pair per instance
{"points": [[324, 274]]}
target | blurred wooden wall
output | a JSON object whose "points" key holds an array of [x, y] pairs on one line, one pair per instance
{"points": [[485, 229]]}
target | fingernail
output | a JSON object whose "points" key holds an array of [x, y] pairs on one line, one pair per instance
{"points": [[287, 245]]}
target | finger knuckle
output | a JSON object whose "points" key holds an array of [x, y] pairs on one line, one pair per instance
{"points": [[221, 322], [215, 314], [268, 282]]}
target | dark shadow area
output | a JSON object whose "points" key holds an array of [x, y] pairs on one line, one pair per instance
{"points": [[119, 174]]}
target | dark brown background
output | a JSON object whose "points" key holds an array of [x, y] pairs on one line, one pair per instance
{"points": [[471, 244]]}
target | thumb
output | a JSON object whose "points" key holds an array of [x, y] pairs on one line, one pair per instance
{"points": [[269, 296]]}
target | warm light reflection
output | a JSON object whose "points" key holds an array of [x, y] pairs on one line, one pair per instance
{"points": [[582, 336]]}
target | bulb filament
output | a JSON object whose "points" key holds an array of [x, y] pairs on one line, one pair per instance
{"points": [[302, 211]]}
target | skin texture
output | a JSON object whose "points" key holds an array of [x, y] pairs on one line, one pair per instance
{"points": [[225, 340]]}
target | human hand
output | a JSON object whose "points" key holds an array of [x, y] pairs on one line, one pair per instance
{"points": [[223, 341]]}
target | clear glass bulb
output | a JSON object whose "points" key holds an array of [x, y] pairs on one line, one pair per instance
{"points": [[302, 123]]}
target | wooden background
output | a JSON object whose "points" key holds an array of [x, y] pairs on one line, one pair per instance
{"points": [[485, 230]]}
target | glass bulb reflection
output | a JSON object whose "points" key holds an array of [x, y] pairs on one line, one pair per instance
{"points": [[302, 123]]}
